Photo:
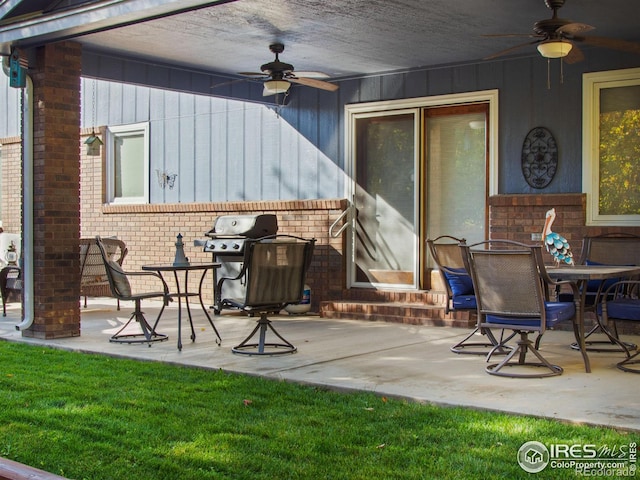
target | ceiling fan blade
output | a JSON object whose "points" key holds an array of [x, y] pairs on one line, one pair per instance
{"points": [[505, 35], [575, 28], [574, 56], [297, 74], [254, 74], [230, 82], [509, 50], [310, 82], [611, 43]]}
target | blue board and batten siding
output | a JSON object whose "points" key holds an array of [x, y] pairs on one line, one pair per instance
{"points": [[223, 149], [9, 108], [220, 149]]}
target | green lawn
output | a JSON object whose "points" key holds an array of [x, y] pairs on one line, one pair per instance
{"points": [[87, 416]]}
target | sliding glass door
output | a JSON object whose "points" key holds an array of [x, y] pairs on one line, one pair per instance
{"points": [[456, 187], [419, 168], [386, 153]]}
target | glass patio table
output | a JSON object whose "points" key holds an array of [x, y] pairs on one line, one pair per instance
{"points": [[580, 275], [204, 268]]}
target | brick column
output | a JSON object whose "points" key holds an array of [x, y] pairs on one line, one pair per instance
{"points": [[56, 80]]}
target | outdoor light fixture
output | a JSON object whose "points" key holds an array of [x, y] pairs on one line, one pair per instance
{"points": [[272, 87], [554, 49], [93, 144]]}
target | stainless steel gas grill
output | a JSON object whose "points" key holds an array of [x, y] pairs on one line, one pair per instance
{"points": [[230, 231], [226, 243]]}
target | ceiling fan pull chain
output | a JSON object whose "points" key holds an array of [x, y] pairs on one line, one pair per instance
{"points": [[561, 71], [548, 74]]}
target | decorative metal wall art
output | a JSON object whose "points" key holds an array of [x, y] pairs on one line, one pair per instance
{"points": [[166, 179], [539, 157]]}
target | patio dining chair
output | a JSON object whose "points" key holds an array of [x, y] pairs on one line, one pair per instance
{"points": [[93, 277], [512, 293], [447, 255], [122, 290], [273, 273], [10, 285], [617, 248], [623, 305]]}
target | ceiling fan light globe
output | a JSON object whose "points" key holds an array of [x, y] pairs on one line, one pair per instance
{"points": [[554, 49], [273, 87]]}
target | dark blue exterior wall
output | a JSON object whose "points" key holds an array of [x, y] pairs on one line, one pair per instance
{"points": [[224, 150]]}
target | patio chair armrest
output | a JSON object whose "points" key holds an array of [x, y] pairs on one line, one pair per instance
{"points": [[557, 284], [613, 289], [165, 287], [237, 277]]}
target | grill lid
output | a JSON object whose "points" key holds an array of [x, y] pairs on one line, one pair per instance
{"points": [[250, 226]]}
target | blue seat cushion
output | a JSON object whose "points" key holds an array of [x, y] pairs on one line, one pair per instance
{"points": [[556, 312], [594, 285], [623, 309], [459, 281], [464, 302]]}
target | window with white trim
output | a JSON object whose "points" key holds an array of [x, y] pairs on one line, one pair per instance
{"points": [[611, 147], [128, 163]]}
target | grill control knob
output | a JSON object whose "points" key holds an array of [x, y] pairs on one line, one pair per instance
{"points": [[236, 246], [223, 246]]}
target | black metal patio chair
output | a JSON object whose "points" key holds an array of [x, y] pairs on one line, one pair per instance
{"points": [[273, 272], [512, 293], [616, 248], [621, 302], [447, 255], [122, 290], [10, 284]]}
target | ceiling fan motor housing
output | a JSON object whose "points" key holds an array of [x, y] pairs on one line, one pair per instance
{"points": [[550, 26], [554, 4], [277, 69]]}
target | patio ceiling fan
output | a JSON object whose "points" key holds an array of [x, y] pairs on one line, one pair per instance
{"points": [[279, 75], [557, 38]]}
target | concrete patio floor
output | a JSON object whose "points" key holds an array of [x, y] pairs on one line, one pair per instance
{"points": [[389, 359]]}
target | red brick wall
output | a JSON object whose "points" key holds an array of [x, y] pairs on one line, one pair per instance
{"points": [[11, 184], [516, 217], [56, 91], [150, 230]]}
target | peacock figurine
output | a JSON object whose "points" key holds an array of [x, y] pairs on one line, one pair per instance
{"points": [[555, 243]]}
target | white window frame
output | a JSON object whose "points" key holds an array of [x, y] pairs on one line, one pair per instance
{"points": [[114, 132], [592, 83]]}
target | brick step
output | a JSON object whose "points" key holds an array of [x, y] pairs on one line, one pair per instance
{"points": [[397, 312]]}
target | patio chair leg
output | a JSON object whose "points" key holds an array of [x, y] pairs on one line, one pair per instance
{"points": [[632, 360], [612, 344], [524, 345], [261, 328], [480, 348], [148, 334]]}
